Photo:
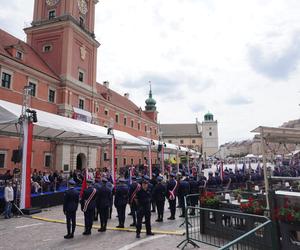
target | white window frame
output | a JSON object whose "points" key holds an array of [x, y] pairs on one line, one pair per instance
{"points": [[81, 99], [5, 158], [106, 110], [46, 45], [117, 115], [125, 119], [7, 71], [83, 74], [49, 14], [51, 159], [35, 82], [132, 123], [21, 53], [53, 89]]}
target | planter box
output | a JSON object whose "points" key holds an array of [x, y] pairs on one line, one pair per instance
{"points": [[290, 232]]}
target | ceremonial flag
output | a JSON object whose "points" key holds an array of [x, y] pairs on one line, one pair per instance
{"points": [[84, 184], [222, 171]]}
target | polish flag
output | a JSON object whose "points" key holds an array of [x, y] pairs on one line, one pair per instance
{"points": [[84, 184]]}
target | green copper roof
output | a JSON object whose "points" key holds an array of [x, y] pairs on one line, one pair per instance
{"points": [[150, 102]]}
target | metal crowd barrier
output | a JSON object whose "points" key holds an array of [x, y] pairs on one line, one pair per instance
{"points": [[227, 229]]}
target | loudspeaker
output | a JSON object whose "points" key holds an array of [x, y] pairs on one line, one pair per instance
{"points": [[16, 156], [159, 147]]}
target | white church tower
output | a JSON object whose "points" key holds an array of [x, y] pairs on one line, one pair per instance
{"points": [[210, 135]]}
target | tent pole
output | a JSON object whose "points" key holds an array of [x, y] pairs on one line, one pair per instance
{"points": [[25, 199], [265, 167]]}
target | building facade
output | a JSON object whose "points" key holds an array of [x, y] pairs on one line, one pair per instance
{"points": [[202, 137], [59, 62]]}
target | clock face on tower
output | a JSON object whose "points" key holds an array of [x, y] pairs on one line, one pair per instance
{"points": [[82, 5], [51, 2]]}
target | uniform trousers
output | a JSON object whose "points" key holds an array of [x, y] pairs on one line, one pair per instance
{"points": [[141, 212], [133, 212], [103, 211], [71, 221], [160, 209], [172, 204], [89, 219], [121, 214]]}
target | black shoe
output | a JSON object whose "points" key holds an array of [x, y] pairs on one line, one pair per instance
{"points": [[181, 216], [120, 226], [153, 210], [144, 222], [132, 225], [130, 214], [150, 234], [86, 233], [157, 220], [171, 218], [101, 229], [138, 236], [67, 236]]}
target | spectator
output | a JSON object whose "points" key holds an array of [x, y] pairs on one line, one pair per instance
{"points": [[8, 197]]}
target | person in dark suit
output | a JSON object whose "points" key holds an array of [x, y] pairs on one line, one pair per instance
{"points": [[171, 194], [103, 203], [88, 204], [70, 205], [121, 200], [143, 201], [133, 189], [183, 190], [194, 189], [158, 195]]}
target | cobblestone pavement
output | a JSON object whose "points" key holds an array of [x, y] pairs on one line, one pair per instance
{"points": [[27, 233]]}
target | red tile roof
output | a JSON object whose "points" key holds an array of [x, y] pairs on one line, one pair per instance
{"points": [[31, 58], [120, 101]]}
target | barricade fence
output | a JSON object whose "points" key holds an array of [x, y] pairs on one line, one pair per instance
{"points": [[226, 229]]}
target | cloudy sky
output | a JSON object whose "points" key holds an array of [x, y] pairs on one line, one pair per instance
{"points": [[239, 59]]}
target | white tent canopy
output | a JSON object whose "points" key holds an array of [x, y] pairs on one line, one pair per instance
{"points": [[55, 127]]}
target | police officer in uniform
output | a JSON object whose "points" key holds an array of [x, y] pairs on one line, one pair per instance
{"points": [[158, 195], [121, 200], [70, 205], [171, 194], [183, 190], [103, 203], [143, 201], [194, 189], [133, 189], [88, 204]]}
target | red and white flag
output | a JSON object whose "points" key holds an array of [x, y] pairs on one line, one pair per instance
{"points": [[84, 183]]}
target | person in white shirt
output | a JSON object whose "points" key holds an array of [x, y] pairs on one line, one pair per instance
{"points": [[8, 197]]}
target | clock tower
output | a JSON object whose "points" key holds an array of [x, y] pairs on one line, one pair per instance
{"points": [[62, 33]]}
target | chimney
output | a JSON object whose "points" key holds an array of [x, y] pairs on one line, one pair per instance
{"points": [[106, 84], [126, 95]]}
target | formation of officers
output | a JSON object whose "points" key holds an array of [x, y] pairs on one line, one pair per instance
{"points": [[144, 195]]}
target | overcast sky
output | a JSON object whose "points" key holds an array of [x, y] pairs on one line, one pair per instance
{"points": [[239, 59]]}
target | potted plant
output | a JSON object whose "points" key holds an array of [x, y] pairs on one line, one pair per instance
{"points": [[209, 199], [252, 207]]}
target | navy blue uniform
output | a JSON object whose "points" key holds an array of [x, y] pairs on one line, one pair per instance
{"points": [[194, 189], [88, 204], [103, 201], [71, 200], [134, 188], [143, 201], [158, 195], [183, 190], [121, 200], [171, 194]]}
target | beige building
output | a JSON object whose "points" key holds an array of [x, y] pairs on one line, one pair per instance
{"points": [[202, 137]]}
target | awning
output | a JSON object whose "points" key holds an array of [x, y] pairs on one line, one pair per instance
{"points": [[55, 127]]}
